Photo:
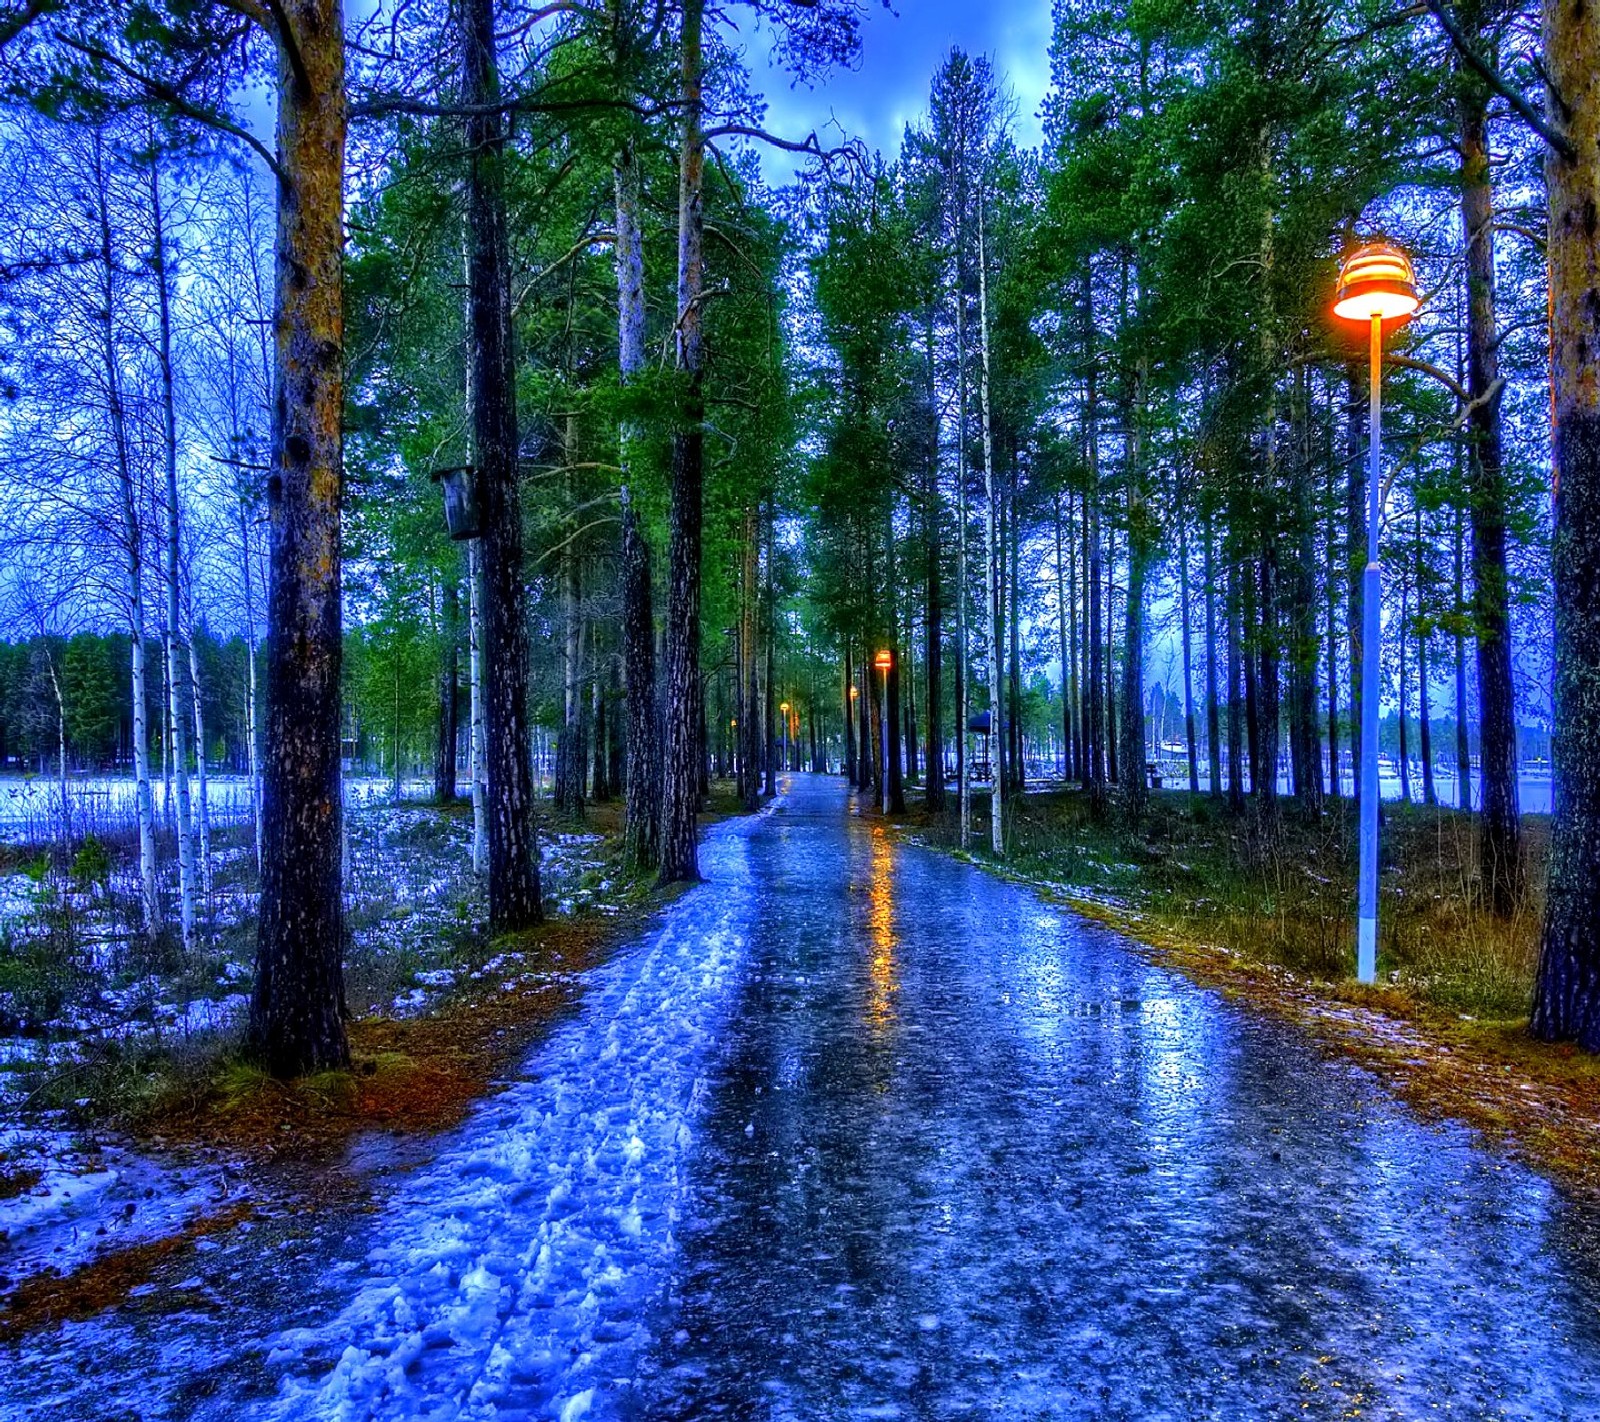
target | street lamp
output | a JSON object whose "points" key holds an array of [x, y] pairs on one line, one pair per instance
{"points": [[883, 661], [783, 706], [1376, 284]]}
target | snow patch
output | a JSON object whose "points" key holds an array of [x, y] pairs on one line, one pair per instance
{"points": [[514, 1276]]}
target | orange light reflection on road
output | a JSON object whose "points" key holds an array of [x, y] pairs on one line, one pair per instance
{"points": [[880, 918]]}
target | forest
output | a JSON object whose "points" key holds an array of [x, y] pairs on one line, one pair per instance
{"points": [[452, 397]]}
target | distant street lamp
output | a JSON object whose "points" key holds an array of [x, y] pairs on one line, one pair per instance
{"points": [[1376, 284], [461, 515], [884, 661], [783, 706]]}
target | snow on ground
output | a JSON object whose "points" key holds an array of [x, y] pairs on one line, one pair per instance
{"points": [[90, 1196], [30, 805], [412, 893], [512, 1280]]}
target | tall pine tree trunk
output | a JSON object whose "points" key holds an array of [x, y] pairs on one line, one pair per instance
{"points": [[641, 830], [444, 751], [478, 736], [1135, 780], [1500, 829], [1567, 993], [1188, 655], [993, 650], [681, 769], [297, 1008], [1213, 711], [1463, 740], [513, 847], [934, 796], [1424, 713]]}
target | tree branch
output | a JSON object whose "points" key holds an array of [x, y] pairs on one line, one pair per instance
{"points": [[809, 145], [1498, 82], [1454, 386], [14, 21], [165, 94], [388, 105], [284, 32]]}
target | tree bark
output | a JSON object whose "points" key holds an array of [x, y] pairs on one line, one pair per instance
{"points": [[1567, 992], [994, 652], [514, 902], [847, 706], [681, 772], [176, 653], [133, 551], [641, 826], [641, 831], [478, 739], [1188, 663], [1135, 782], [1500, 828], [1463, 740], [933, 791], [444, 754], [1213, 711], [1424, 714], [297, 1008]]}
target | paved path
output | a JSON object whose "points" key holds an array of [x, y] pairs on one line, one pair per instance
{"points": [[860, 1132]]}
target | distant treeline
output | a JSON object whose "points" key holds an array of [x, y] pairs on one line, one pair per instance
{"points": [[83, 682]]}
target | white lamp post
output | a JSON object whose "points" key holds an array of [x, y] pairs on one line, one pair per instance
{"points": [[884, 661], [1376, 284]]}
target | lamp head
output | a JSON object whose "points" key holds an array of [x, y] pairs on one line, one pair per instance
{"points": [[883, 661], [1376, 280]]}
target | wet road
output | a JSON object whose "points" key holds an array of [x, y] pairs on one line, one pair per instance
{"points": [[858, 1131], [968, 1156]]}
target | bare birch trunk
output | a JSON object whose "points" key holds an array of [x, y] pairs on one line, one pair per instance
{"points": [[177, 713], [133, 552]]}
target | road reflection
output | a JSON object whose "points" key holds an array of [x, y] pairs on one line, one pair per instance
{"points": [[885, 979]]}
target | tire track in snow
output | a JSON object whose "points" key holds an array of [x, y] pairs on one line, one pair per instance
{"points": [[514, 1274]]}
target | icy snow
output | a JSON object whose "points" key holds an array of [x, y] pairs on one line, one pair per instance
{"points": [[92, 1196], [513, 1279]]}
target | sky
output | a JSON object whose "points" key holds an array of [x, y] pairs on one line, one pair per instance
{"points": [[888, 88]]}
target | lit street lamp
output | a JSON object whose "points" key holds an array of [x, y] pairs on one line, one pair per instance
{"points": [[784, 707], [1376, 284], [883, 661]]}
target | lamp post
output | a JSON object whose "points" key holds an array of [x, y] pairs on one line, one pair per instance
{"points": [[1376, 284], [852, 771], [883, 661], [784, 708]]}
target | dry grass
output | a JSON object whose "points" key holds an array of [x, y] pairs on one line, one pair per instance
{"points": [[1282, 891], [49, 1298], [408, 1075]]}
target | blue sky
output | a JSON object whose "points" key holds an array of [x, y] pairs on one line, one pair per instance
{"points": [[889, 86]]}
